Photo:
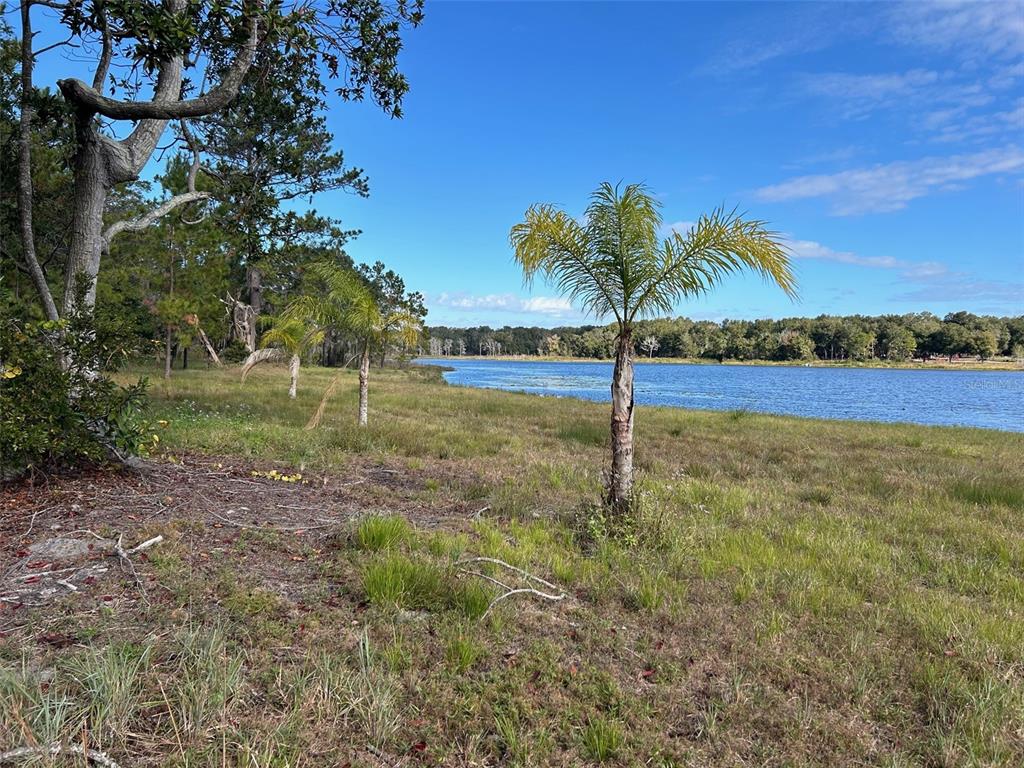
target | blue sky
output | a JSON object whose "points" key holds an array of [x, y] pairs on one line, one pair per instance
{"points": [[885, 140]]}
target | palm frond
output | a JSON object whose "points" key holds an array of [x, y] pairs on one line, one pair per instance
{"points": [[613, 263], [343, 301], [401, 327], [265, 355], [720, 244], [553, 244]]}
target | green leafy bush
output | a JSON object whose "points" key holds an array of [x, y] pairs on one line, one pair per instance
{"points": [[55, 407]]}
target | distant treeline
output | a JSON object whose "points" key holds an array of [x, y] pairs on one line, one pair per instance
{"points": [[854, 337]]}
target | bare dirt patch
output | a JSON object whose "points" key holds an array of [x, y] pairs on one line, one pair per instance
{"points": [[58, 535]]}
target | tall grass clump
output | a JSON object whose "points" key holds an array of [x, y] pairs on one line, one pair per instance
{"points": [[602, 739], [208, 679], [110, 680], [987, 491], [398, 581], [34, 711], [382, 532], [377, 706]]}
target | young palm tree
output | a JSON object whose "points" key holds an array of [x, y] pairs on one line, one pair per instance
{"points": [[289, 338], [347, 304], [615, 263]]}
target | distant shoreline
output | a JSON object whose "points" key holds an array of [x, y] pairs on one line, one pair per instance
{"points": [[915, 365]]}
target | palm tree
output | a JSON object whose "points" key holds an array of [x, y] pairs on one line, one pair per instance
{"points": [[614, 262], [288, 338], [347, 304]]}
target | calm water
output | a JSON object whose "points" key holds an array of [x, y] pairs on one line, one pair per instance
{"points": [[993, 399]]}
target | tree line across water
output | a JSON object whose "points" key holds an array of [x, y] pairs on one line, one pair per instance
{"points": [[897, 338]]}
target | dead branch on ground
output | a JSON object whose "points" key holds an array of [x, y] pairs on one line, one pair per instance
{"points": [[55, 750], [510, 591]]}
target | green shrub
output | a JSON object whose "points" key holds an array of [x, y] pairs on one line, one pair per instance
{"points": [[55, 407], [234, 352]]}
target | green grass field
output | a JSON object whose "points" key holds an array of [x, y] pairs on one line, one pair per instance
{"points": [[797, 592]]}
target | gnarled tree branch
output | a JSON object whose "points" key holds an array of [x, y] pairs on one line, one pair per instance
{"points": [[105, 56], [162, 107], [153, 215]]}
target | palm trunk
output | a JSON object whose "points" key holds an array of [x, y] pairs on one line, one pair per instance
{"points": [[293, 368], [620, 484], [364, 385]]}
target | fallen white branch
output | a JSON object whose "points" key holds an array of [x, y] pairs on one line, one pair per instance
{"points": [[502, 563], [146, 544], [125, 556], [277, 528], [55, 750], [509, 590], [522, 591]]}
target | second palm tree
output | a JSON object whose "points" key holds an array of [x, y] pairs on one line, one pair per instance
{"points": [[615, 262]]}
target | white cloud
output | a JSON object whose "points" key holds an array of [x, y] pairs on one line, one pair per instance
{"points": [[981, 43], [793, 31], [972, 30], [504, 301], [809, 249], [889, 187], [862, 94], [956, 126], [549, 306], [944, 106], [922, 281], [958, 288]]}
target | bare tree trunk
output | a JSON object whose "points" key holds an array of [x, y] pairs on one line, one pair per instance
{"points": [[209, 347], [28, 243], [620, 484], [167, 353], [364, 385], [254, 283], [243, 322], [92, 184], [293, 369]]}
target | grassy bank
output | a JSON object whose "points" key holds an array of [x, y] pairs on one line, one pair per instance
{"points": [[800, 592], [935, 364]]}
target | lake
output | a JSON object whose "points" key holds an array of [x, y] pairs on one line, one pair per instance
{"points": [[991, 399]]}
